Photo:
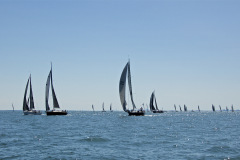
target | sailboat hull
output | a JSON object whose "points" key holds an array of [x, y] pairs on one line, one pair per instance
{"points": [[34, 112], [52, 113], [136, 113], [157, 111]]}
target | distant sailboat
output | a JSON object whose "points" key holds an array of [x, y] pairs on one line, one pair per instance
{"points": [[93, 108], [220, 108], [226, 108], [29, 110], [152, 108], [198, 108], [213, 108], [55, 101], [13, 107], [122, 88], [232, 108], [185, 108], [180, 108], [175, 108], [111, 108], [103, 107]]}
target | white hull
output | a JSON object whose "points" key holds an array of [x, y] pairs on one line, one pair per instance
{"points": [[32, 112]]}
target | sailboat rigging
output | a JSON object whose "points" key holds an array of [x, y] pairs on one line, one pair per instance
{"points": [[153, 108], [122, 88], [29, 109], [55, 101]]}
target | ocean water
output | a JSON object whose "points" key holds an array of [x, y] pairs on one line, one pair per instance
{"points": [[114, 135]]}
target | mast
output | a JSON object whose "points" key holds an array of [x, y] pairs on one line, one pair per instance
{"points": [[31, 96], [25, 105]]}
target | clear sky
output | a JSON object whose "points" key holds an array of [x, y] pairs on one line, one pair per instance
{"points": [[188, 51]]}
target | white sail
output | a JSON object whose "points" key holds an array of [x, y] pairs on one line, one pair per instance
{"points": [[122, 88], [47, 91], [31, 96], [25, 104], [130, 85]]}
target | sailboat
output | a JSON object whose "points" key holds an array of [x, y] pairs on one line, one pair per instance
{"points": [[29, 110], [93, 108], [13, 107], [232, 108], [111, 108], [220, 108], [198, 108], [55, 101], [103, 107], [226, 108], [213, 108], [175, 108], [180, 108], [185, 108], [122, 88], [152, 108]]}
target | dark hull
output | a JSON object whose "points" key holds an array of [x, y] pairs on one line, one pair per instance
{"points": [[52, 113], [157, 111], [136, 113]]}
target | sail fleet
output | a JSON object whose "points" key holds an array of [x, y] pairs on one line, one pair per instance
{"points": [[29, 108]]}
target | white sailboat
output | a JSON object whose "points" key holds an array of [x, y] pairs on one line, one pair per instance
{"points": [[122, 88], [56, 106], [29, 110]]}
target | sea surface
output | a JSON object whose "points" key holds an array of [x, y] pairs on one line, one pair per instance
{"points": [[114, 135]]}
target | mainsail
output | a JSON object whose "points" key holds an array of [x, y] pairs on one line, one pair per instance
{"points": [[122, 88], [47, 92], [25, 104], [175, 107], [152, 108], [213, 108], [220, 108], [31, 96], [185, 108], [198, 108]]}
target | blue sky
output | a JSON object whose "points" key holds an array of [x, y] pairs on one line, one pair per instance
{"points": [[187, 51]]}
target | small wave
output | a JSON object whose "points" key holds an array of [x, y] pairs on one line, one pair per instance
{"points": [[94, 139]]}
